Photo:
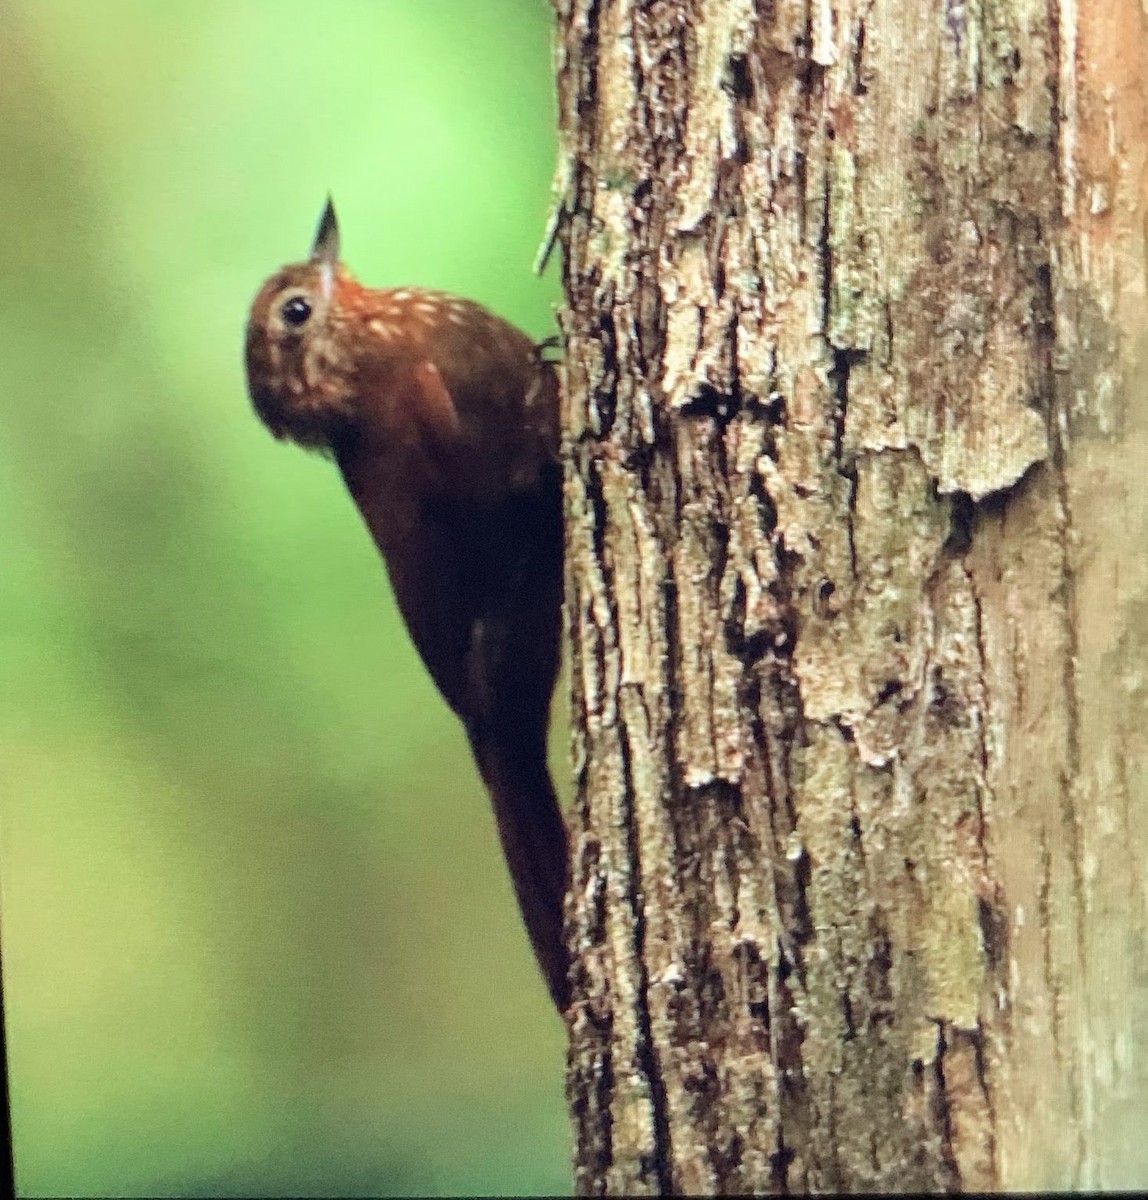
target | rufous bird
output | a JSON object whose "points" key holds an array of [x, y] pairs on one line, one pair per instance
{"points": [[443, 419]]}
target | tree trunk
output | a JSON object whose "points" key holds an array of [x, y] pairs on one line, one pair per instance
{"points": [[855, 438]]}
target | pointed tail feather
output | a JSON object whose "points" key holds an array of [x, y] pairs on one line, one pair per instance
{"points": [[533, 836]]}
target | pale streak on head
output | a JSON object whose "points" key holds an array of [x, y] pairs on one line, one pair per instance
{"points": [[403, 294], [381, 329]]}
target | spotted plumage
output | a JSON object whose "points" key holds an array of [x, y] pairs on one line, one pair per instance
{"points": [[443, 419]]}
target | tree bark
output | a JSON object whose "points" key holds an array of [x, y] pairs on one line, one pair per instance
{"points": [[856, 519]]}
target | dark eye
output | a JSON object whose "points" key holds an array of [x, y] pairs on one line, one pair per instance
{"points": [[295, 311]]}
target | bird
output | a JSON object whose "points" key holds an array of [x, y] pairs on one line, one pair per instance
{"points": [[443, 420]]}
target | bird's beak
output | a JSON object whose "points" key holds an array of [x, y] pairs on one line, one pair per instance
{"points": [[325, 251]]}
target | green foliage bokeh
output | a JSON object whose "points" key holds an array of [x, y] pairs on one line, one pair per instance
{"points": [[258, 938]]}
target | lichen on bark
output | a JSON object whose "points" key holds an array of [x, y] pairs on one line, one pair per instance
{"points": [[850, 360]]}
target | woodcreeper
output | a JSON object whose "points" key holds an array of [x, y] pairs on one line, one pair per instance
{"points": [[443, 419]]}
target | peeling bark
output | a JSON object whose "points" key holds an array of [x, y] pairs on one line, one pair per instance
{"points": [[854, 424]]}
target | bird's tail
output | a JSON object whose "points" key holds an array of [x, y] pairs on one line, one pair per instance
{"points": [[533, 836]]}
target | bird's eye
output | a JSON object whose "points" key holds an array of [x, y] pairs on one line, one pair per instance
{"points": [[295, 311]]}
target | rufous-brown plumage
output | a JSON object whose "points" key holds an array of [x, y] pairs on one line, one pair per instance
{"points": [[443, 419]]}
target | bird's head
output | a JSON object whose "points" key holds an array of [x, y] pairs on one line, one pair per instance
{"points": [[299, 373]]}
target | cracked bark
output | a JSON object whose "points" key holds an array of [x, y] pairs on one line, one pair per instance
{"points": [[854, 428]]}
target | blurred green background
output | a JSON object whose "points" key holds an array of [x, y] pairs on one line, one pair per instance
{"points": [[258, 937]]}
